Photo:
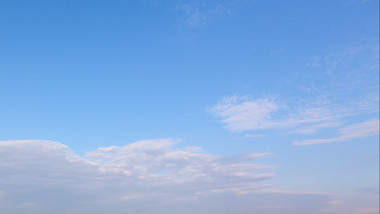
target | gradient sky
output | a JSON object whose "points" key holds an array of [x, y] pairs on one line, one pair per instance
{"points": [[191, 107]]}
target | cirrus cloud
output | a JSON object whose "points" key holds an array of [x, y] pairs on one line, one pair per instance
{"points": [[358, 130]]}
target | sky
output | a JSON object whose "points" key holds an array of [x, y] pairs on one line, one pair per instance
{"points": [[189, 106]]}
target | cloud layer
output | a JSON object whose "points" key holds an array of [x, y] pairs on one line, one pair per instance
{"points": [[242, 113], [357, 130], [150, 176], [338, 89]]}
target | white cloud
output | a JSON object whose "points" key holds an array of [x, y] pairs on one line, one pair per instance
{"points": [[47, 177], [311, 129], [256, 156], [154, 160], [336, 87], [242, 113], [357, 130]]}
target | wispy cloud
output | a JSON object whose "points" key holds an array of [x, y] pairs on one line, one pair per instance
{"points": [[125, 179], [340, 86], [242, 113], [195, 16], [311, 129], [345, 71], [201, 13], [358, 130]]}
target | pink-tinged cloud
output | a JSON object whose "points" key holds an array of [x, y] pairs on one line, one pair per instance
{"points": [[358, 130], [150, 176], [369, 210]]}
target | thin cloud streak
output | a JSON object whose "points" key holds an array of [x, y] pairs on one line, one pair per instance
{"points": [[358, 130], [242, 113]]}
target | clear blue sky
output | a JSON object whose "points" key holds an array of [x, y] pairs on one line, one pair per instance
{"points": [[289, 86]]}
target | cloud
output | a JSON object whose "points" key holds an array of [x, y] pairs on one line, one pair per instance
{"points": [[311, 129], [350, 68], [150, 176], [369, 210], [337, 85], [242, 113], [194, 15], [357, 130], [200, 13], [157, 163]]}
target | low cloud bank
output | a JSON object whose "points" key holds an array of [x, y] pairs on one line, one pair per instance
{"points": [[150, 176]]}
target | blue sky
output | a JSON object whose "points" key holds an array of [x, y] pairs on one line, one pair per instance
{"points": [[188, 105]]}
